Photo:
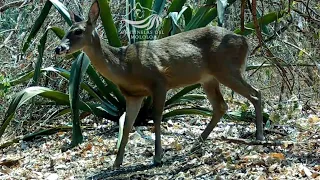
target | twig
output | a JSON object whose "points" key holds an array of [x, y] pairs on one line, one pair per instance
{"points": [[271, 37], [12, 4], [275, 132], [306, 16], [307, 7], [264, 143], [253, 67], [11, 33], [112, 173]]}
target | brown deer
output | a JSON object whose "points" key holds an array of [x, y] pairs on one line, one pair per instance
{"points": [[209, 56]]}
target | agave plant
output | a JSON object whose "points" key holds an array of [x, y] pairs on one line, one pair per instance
{"points": [[106, 100]]}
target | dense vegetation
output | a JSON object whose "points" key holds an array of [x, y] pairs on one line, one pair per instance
{"points": [[42, 94]]}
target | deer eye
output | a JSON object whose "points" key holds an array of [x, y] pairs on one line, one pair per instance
{"points": [[78, 31]]}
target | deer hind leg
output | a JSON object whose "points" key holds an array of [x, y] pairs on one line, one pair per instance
{"points": [[133, 105], [235, 81], [219, 107], [159, 97]]}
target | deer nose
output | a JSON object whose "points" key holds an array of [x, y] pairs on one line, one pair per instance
{"points": [[60, 49]]}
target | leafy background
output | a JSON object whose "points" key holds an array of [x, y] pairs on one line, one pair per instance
{"points": [[285, 69]]}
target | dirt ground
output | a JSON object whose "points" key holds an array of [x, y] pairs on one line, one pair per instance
{"points": [[292, 152]]}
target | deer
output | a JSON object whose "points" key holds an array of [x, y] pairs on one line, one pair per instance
{"points": [[209, 56]]}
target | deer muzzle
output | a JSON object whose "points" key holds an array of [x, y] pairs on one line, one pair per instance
{"points": [[62, 49]]}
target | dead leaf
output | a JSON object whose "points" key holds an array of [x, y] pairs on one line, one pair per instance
{"points": [[313, 119], [279, 156], [10, 162], [88, 147], [304, 171], [176, 145], [251, 157]]}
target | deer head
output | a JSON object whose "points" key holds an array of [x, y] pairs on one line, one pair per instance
{"points": [[80, 33]]}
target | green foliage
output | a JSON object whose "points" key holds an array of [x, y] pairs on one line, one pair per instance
{"points": [[105, 98], [4, 85], [108, 24], [78, 70]]}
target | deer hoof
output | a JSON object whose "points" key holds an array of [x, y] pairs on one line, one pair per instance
{"points": [[260, 137], [196, 146], [116, 166], [157, 160]]}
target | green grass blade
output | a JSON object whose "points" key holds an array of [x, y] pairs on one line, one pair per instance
{"points": [[37, 25]]}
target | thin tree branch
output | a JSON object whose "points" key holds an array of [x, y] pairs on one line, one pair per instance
{"points": [[11, 5]]}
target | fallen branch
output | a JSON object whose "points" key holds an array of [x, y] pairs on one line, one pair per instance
{"points": [[253, 67], [257, 142]]}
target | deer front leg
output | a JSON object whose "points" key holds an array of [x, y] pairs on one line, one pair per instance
{"points": [[133, 105], [219, 107], [159, 97]]}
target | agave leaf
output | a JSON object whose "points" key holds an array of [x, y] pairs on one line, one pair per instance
{"points": [[41, 48], [121, 126], [187, 14], [145, 4], [181, 93], [211, 15], [105, 91], [184, 100], [61, 98], [197, 18], [43, 15], [111, 108], [62, 10], [37, 25], [192, 97], [78, 68], [176, 5], [158, 6], [35, 134], [59, 112], [57, 31], [221, 6], [184, 111], [131, 16], [108, 23], [20, 79], [22, 97], [266, 19], [170, 25]]}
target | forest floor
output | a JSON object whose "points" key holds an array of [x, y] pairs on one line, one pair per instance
{"points": [[291, 152]]}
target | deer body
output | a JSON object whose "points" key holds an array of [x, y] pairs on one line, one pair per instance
{"points": [[187, 58], [209, 55]]}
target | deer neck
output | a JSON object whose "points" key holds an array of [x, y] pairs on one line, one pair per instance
{"points": [[105, 58]]}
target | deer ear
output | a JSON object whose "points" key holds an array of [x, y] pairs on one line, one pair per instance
{"points": [[75, 18], [94, 13]]}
